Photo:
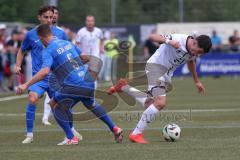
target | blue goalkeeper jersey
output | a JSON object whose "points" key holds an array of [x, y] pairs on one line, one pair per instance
{"points": [[32, 43], [62, 57]]}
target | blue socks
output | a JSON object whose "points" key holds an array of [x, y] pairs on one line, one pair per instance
{"points": [[61, 115], [30, 117], [70, 118], [101, 114]]}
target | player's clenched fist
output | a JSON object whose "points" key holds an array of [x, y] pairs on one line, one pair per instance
{"points": [[174, 44], [21, 88]]}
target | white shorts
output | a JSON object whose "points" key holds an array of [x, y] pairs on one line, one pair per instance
{"points": [[157, 77]]}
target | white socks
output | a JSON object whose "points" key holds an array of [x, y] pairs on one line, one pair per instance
{"points": [[73, 129], [96, 84], [147, 117], [47, 109], [29, 134], [135, 93]]}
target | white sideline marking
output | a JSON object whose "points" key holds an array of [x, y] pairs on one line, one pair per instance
{"points": [[125, 129], [184, 110], [116, 112], [140, 111], [13, 98]]}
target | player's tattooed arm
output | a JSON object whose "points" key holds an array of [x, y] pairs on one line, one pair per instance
{"points": [[38, 77], [84, 58], [165, 39], [94, 64], [192, 68], [157, 38]]}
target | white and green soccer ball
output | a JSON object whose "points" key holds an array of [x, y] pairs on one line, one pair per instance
{"points": [[171, 132]]}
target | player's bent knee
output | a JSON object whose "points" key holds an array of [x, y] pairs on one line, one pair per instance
{"points": [[148, 102], [33, 98], [160, 102]]}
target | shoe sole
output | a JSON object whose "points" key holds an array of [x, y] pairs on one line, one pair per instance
{"points": [[27, 143], [133, 141], [138, 142]]}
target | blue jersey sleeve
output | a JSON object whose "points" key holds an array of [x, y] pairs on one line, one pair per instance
{"points": [[47, 59], [26, 44], [78, 49]]}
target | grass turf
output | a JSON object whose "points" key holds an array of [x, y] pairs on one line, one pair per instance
{"points": [[210, 128]]}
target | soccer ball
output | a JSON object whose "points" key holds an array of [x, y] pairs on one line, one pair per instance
{"points": [[171, 132]]}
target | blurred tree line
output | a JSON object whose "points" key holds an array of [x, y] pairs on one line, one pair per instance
{"points": [[127, 11]]}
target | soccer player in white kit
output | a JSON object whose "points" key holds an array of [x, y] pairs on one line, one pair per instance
{"points": [[175, 49], [90, 40]]}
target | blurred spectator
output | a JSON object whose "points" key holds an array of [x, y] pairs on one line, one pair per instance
{"points": [[2, 51], [22, 34], [234, 41], [108, 70], [12, 46], [26, 69], [150, 47], [216, 42], [90, 39]]}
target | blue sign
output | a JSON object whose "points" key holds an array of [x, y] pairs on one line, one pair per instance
{"points": [[214, 64]]}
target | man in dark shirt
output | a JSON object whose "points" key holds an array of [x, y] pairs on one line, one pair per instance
{"points": [[12, 47], [234, 41], [150, 47]]}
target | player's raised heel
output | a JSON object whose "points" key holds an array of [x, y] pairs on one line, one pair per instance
{"points": [[138, 138], [77, 134], [117, 87], [118, 134], [66, 141], [46, 123], [27, 140]]}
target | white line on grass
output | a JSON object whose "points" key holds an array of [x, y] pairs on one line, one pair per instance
{"points": [[140, 111], [237, 126], [13, 98]]}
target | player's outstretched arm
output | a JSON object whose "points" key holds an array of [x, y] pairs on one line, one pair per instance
{"points": [[161, 39], [17, 67], [158, 38], [38, 77], [192, 68]]}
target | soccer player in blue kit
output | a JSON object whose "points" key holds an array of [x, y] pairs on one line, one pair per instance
{"points": [[32, 43], [75, 83]]}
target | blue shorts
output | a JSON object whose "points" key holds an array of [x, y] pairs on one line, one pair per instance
{"points": [[71, 95], [40, 88]]}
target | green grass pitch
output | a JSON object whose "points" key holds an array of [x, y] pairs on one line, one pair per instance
{"points": [[210, 128]]}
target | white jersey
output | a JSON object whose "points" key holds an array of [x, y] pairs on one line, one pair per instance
{"points": [[90, 41], [169, 57]]}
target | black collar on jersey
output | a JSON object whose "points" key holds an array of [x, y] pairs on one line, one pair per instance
{"points": [[189, 37]]}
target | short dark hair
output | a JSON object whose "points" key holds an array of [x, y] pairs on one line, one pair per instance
{"points": [[44, 30], [204, 42], [55, 8], [44, 9], [15, 32]]}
